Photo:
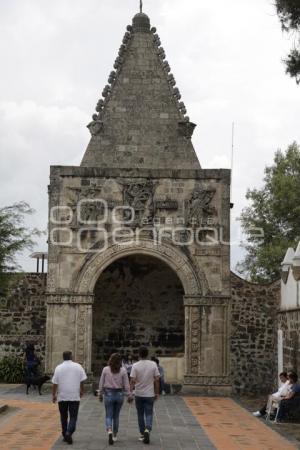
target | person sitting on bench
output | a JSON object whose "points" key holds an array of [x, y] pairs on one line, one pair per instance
{"points": [[289, 402], [276, 396]]}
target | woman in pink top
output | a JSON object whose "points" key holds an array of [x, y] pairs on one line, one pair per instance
{"points": [[113, 384]]}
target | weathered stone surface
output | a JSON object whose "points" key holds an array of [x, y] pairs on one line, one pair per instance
{"points": [[289, 323], [254, 335], [23, 315], [140, 122], [140, 191]]}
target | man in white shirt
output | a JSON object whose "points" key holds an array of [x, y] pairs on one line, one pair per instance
{"points": [[67, 389], [144, 378]]}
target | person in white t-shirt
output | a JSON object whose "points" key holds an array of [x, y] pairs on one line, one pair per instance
{"points": [[277, 396], [144, 378], [67, 389]]}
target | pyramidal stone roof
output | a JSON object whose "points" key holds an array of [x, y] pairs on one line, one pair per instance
{"points": [[140, 121]]}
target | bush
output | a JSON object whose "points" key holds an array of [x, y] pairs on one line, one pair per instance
{"points": [[12, 369]]}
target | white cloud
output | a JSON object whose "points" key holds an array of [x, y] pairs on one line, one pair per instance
{"points": [[56, 57]]}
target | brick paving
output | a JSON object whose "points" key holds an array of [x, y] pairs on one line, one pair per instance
{"points": [[179, 424], [32, 426], [230, 427]]}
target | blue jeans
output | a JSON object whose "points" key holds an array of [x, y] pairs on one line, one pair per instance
{"points": [[144, 407], [31, 368], [113, 401], [68, 416]]}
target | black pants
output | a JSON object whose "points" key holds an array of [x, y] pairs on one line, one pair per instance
{"points": [[68, 416], [263, 410]]}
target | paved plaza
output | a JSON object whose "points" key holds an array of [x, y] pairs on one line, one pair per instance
{"points": [[190, 423]]}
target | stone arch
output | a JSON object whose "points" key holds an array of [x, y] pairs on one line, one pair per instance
{"points": [[194, 281]]}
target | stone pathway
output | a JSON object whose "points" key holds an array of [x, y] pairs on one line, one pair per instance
{"points": [[175, 427], [180, 424]]}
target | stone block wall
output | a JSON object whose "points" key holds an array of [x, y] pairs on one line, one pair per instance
{"points": [[289, 323], [254, 335], [23, 315]]}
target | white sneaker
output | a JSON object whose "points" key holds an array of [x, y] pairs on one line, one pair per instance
{"points": [[257, 414], [115, 438], [141, 438]]}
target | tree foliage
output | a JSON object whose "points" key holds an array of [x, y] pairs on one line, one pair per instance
{"points": [[14, 237], [289, 15], [272, 221]]}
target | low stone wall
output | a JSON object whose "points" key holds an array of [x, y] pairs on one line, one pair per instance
{"points": [[23, 315], [254, 335], [289, 323]]}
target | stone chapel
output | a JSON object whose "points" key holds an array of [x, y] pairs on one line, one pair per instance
{"points": [[139, 233]]}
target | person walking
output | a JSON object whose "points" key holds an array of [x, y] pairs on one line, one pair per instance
{"points": [[67, 388], [161, 376], [144, 378], [32, 361], [112, 386]]}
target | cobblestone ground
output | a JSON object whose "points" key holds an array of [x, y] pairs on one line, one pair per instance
{"points": [[182, 424]]}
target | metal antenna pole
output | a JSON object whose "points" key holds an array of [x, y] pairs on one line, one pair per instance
{"points": [[232, 160], [141, 6]]}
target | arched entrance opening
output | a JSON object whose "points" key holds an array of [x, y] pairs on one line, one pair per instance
{"points": [[138, 301]]}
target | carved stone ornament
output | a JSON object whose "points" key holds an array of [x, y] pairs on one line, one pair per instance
{"points": [[69, 299], [193, 283], [138, 196], [95, 127], [186, 129], [198, 207]]}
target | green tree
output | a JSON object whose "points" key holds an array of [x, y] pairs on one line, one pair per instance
{"points": [[272, 221], [289, 15], [14, 237]]}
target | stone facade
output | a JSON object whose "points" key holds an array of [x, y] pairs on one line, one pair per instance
{"points": [[202, 269], [23, 315], [254, 335], [140, 190]]}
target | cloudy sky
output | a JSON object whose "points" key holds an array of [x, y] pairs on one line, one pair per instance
{"points": [[55, 59]]}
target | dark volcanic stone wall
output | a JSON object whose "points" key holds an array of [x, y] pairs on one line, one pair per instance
{"points": [[289, 323], [139, 300], [23, 314], [254, 335]]}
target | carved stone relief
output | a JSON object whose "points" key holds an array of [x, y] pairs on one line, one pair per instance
{"points": [[194, 283], [198, 209], [138, 196]]}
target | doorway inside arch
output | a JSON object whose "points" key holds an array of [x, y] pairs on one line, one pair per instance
{"points": [[138, 301]]}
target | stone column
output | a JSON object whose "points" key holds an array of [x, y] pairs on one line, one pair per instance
{"points": [[69, 327], [207, 343]]}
